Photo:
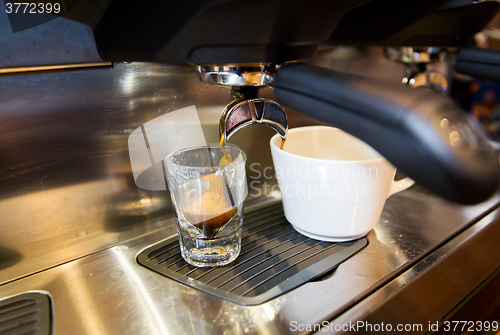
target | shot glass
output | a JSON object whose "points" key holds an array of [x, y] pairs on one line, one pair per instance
{"points": [[208, 192]]}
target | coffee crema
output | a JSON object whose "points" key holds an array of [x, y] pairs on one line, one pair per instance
{"points": [[209, 210]]}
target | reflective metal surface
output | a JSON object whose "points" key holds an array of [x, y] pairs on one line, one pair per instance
{"points": [[72, 220], [435, 285], [245, 112], [109, 293], [248, 107], [425, 67], [417, 55], [53, 67], [67, 188], [431, 79], [231, 76]]}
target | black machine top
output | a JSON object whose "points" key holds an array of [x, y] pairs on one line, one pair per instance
{"points": [[216, 31]]}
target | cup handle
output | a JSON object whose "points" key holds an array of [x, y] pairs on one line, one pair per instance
{"points": [[400, 185]]}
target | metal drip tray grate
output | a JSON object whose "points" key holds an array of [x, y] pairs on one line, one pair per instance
{"points": [[274, 259], [27, 313]]}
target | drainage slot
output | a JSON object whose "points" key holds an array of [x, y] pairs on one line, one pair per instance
{"points": [[27, 313], [274, 259]]}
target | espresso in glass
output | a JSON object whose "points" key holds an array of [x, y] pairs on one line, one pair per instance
{"points": [[208, 187]]}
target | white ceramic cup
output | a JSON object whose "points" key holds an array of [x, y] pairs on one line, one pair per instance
{"points": [[333, 185]]}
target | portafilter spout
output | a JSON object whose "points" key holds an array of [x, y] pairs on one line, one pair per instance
{"points": [[424, 134], [247, 107]]}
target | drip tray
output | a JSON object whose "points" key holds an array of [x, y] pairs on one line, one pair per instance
{"points": [[27, 313], [274, 259]]}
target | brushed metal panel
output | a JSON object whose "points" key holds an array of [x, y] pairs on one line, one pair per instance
{"points": [[432, 287], [66, 184], [109, 293], [70, 223]]}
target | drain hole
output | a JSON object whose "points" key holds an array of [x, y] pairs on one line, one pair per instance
{"points": [[27, 313]]}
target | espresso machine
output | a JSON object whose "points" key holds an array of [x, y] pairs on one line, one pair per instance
{"points": [[89, 251], [394, 120]]}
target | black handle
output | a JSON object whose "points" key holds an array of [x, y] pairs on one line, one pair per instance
{"points": [[424, 134], [479, 63]]}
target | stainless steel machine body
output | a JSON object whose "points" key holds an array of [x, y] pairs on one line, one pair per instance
{"points": [[72, 220]]}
